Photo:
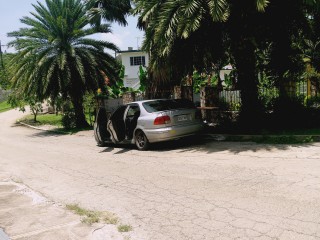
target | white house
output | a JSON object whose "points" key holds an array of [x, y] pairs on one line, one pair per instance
{"points": [[132, 60]]}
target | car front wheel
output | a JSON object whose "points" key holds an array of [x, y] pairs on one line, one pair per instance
{"points": [[141, 141]]}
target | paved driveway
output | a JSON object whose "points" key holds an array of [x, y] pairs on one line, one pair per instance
{"points": [[178, 191]]}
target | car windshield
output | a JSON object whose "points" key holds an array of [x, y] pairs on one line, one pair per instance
{"points": [[164, 105]]}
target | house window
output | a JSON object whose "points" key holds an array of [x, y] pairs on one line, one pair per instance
{"points": [[137, 61]]}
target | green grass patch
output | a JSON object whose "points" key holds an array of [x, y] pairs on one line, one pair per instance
{"points": [[284, 139], [311, 131], [53, 120], [4, 106], [271, 139], [44, 119], [90, 217], [124, 228]]}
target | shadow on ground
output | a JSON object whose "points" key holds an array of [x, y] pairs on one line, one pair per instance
{"points": [[200, 143], [203, 144], [208, 145], [47, 134], [124, 148]]}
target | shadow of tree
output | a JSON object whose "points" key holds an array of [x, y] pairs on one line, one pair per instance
{"points": [[199, 143], [206, 145], [42, 133]]}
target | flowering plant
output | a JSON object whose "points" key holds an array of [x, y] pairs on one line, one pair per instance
{"points": [[101, 94]]}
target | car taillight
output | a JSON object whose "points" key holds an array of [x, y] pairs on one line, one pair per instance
{"points": [[162, 120]]}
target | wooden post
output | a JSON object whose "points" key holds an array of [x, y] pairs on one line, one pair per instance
{"points": [[177, 92], [209, 97], [187, 92]]}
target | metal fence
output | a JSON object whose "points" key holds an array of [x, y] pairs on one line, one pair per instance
{"points": [[232, 98], [299, 90]]}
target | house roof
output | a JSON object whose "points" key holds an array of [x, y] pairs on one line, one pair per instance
{"points": [[128, 51]]}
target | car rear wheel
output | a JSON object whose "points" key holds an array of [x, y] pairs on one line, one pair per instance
{"points": [[141, 141]]}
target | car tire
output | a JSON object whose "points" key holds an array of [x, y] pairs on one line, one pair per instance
{"points": [[141, 141]]}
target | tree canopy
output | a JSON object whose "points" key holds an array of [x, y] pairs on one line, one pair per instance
{"points": [[182, 35], [56, 55], [108, 10]]}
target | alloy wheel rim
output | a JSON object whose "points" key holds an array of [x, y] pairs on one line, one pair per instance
{"points": [[140, 140]]}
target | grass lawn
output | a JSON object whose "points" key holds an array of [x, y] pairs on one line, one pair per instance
{"points": [[271, 136], [45, 119], [311, 131], [53, 120], [4, 106]]}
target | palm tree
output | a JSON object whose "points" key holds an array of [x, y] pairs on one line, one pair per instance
{"points": [[109, 10], [169, 20], [208, 29], [184, 40], [244, 28], [166, 21], [56, 56]]}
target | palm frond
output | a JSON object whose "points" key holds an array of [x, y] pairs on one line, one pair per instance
{"points": [[262, 4], [55, 54]]}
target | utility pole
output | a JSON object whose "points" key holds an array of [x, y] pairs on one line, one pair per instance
{"points": [[138, 38]]}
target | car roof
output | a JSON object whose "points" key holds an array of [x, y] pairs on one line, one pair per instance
{"points": [[150, 100]]}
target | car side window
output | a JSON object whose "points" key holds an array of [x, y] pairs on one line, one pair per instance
{"points": [[133, 110], [118, 113]]}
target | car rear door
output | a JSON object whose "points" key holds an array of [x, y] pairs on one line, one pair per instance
{"points": [[116, 125]]}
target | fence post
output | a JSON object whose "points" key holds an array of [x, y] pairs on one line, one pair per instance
{"points": [[187, 92], [209, 97], [177, 92]]}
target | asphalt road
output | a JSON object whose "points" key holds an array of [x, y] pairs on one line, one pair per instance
{"points": [[185, 190]]}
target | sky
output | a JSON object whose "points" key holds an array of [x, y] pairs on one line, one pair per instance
{"points": [[11, 11]]}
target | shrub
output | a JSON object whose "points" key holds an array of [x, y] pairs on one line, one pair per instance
{"points": [[312, 101], [68, 116], [68, 120]]}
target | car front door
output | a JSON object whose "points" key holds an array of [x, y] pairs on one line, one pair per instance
{"points": [[100, 127], [131, 119], [116, 125]]}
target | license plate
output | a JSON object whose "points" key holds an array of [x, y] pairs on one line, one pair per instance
{"points": [[182, 118]]}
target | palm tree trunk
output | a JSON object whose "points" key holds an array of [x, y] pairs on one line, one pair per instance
{"points": [[251, 109], [241, 27], [77, 102]]}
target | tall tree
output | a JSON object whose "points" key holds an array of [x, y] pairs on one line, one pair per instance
{"points": [[56, 56], [108, 10], [4, 74], [310, 48], [245, 27], [182, 36], [242, 27], [206, 28]]}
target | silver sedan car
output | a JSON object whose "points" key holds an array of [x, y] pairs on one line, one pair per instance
{"points": [[148, 121]]}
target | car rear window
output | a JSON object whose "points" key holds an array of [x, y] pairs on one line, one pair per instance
{"points": [[164, 105]]}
